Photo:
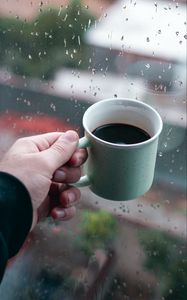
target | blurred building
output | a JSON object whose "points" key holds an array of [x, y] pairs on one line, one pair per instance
{"points": [[146, 40]]}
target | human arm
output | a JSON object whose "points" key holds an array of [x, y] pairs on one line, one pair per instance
{"points": [[43, 166]]}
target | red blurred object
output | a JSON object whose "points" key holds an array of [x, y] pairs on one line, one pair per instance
{"points": [[31, 124]]}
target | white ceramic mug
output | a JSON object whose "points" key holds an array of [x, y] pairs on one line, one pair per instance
{"points": [[120, 171]]}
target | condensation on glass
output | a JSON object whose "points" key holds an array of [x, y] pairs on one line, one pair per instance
{"points": [[56, 59]]}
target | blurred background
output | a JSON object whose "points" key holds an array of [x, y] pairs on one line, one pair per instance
{"points": [[56, 59]]}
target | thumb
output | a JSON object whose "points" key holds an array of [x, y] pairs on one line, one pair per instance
{"points": [[61, 151]]}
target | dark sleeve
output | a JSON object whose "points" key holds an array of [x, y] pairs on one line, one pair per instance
{"points": [[15, 217]]}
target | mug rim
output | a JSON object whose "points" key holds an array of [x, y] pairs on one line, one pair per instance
{"points": [[154, 137]]}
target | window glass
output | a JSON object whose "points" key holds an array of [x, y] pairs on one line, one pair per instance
{"points": [[56, 59]]}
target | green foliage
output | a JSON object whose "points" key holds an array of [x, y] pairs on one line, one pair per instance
{"points": [[166, 257], [98, 230], [52, 40]]}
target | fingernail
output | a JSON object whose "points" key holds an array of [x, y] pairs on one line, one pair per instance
{"points": [[60, 213], [79, 160], [70, 135], [71, 197], [60, 175]]}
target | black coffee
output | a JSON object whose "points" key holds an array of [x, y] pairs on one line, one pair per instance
{"points": [[121, 134]]}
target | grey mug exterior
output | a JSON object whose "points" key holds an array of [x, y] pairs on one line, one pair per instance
{"points": [[120, 172]]}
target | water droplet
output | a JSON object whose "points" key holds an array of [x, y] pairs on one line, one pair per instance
{"points": [[60, 10], [89, 23], [79, 40], [53, 107], [169, 131]]}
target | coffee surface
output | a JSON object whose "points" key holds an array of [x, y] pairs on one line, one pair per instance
{"points": [[121, 133]]}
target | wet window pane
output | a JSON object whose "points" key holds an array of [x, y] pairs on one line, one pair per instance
{"points": [[57, 58]]}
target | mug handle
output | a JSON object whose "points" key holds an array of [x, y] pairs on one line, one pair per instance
{"points": [[84, 180]]}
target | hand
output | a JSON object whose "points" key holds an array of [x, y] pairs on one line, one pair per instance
{"points": [[46, 164]]}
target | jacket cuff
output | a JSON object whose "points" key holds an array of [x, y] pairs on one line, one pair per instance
{"points": [[4, 256], [16, 212]]}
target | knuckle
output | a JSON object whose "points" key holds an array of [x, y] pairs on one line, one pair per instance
{"points": [[19, 141], [61, 148], [23, 141]]}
